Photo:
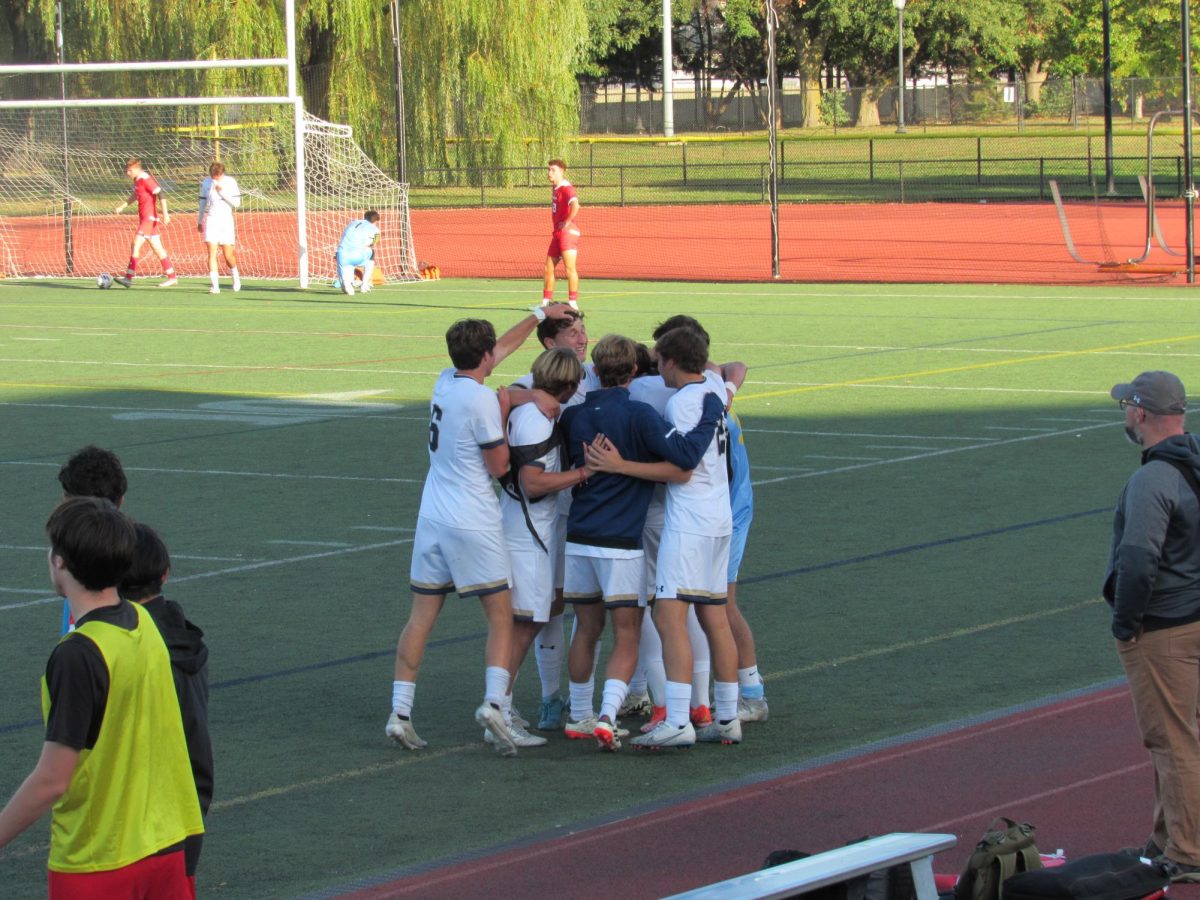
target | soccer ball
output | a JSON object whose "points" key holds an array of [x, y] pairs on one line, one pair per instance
{"points": [[103, 280]]}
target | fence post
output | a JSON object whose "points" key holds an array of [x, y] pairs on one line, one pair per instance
{"points": [[979, 160], [591, 163], [871, 157], [900, 172], [482, 188], [762, 182], [621, 170], [1091, 180], [1041, 178], [1178, 176], [782, 161], [683, 144]]}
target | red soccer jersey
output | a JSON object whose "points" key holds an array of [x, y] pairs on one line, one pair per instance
{"points": [[560, 203], [146, 189]]}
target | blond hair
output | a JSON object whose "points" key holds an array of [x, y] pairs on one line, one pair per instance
{"points": [[556, 370], [615, 359]]}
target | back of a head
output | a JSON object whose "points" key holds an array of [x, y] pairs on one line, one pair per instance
{"points": [[95, 540], [680, 321], [144, 580], [371, 216], [216, 170], [468, 340], [615, 359], [685, 347], [556, 370], [94, 472]]}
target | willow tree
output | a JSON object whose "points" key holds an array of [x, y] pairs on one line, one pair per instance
{"points": [[490, 83]]}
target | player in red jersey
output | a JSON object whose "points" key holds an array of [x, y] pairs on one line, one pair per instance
{"points": [[149, 199], [564, 243]]}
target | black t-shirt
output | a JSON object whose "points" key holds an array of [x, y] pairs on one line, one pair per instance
{"points": [[78, 681]]}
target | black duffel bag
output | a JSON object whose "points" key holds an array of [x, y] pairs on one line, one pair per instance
{"points": [[1101, 876]]}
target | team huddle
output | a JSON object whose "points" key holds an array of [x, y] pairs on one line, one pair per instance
{"points": [[625, 484]]}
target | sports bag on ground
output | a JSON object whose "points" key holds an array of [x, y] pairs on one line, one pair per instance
{"points": [[1101, 876], [1007, 848]]}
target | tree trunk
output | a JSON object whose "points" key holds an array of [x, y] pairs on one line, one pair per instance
{"points": [[1035, 77], [868, 106]]}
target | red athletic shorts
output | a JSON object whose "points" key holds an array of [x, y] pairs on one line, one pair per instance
{"points": [[567, 239], [161, 877], [148, 227]]}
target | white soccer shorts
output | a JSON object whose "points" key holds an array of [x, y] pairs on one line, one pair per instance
{"points": [[218, 232], [692, 567], [618, 582], [446, 559]]}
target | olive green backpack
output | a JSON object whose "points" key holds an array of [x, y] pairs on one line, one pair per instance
{"points": [[1007, 848]]}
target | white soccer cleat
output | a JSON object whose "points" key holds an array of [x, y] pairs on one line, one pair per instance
{"points": [[237, 285], [752, 710], [493, 720], [214, 290], [366, 289], [517, 719], [348, 289], [721, 733], [581, 730], [520, 737], [665, 735], [169, 282], [402, 732], [605, 734], [636, 705], [123, 280]]}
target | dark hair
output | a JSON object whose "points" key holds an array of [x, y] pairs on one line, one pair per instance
{"points": [[95, 540], [557, 162], [93, 472], [685, 347], [468, 340], [371, 216], [646, 364], [144, 580], [680, 321], [548, 328], [216, 170], [615, 359]]}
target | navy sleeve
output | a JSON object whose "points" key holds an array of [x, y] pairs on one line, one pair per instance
{"points": [[684, 450], [78, 682]]}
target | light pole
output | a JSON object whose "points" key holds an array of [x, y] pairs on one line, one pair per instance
{"points": [[900, 129]]}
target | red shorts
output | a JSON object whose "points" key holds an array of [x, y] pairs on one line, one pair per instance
{"points": [[567, 239], [148, 227], [162, 877]]}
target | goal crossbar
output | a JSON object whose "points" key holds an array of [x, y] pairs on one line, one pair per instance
{"points": [[145, 101], [145, 66]]}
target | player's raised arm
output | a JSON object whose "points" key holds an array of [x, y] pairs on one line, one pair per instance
{"points": [[519, 333]]}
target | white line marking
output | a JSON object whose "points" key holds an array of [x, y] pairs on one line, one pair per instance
{"points": [[784, 468], [234, 472], [859, 434], [6, 590], [382, 528], [935, 453], [850, 458], [215, 367], [42, 548], [312, 543], [49, 340], [237, 570], [1065, 419], [1013, 428], [894, 447]]}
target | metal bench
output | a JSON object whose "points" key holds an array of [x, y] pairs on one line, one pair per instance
{"points": [[835, 867]]}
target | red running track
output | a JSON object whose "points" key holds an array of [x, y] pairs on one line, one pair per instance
{"points": [[1076, 769]]}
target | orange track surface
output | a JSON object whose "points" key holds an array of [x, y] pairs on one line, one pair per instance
{"points": [[886, 242]]}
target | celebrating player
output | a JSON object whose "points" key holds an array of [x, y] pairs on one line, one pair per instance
{"points": [[564, 242], [152, 208], [459, 543], [357, 248], [219, 196]]}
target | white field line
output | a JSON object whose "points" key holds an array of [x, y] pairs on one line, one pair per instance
{"points": [[894, 447], [292, 543], [236, 473], [42, 548], [943, 452], [1013, 428], [237, 570], [866, 434], [921, 387], [213, 367], [301, 408]]}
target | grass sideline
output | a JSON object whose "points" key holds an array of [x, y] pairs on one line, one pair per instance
{"points": [[934, 468]]}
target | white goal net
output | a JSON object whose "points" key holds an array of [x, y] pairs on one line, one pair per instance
{"points": [[59, 186]]}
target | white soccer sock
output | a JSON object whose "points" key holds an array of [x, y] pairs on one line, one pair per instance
{"points": [[727, 694], [368, 271], [237, 279], [548, 652], [213, 278], [495, 684], [701, 659], [615, 691], [650, 654], [581, 701], [678, 695], [402, 697], [750, 683], [347, 276]]}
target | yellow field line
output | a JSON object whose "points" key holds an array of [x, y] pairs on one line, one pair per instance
{"points": [[821, 665], [1062, 354]]}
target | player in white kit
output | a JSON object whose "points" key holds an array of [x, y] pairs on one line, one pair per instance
{"points": [[219, 197]]}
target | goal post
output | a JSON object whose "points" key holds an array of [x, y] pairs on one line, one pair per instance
{"points": [[302, 179], [62, 164]]}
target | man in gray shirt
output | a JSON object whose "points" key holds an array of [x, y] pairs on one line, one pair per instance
{"points": [[1153, 585]]}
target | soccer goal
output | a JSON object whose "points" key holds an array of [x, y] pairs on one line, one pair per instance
{"points": [[62, 165]]}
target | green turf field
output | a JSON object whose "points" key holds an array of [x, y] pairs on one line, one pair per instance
{"points": [[934, 466]]}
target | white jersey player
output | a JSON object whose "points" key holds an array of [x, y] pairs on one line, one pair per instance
{"points": [[219, 197], [459, 544]]}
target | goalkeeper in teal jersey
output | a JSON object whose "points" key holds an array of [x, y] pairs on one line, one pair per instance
{"points": [[357, 249]]}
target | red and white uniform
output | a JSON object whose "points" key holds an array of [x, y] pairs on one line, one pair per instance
{"points": [[146, 190], [566, 238]]}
